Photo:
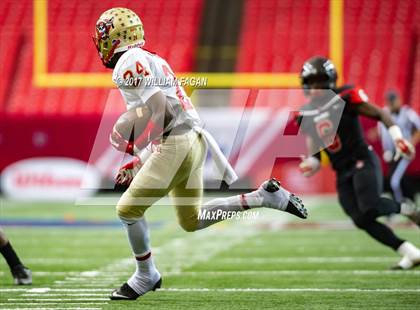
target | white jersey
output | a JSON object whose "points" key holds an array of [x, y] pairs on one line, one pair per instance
{"points": [[140, 74]]}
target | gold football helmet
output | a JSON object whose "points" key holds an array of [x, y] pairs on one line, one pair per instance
{"points": [[117, 30]]}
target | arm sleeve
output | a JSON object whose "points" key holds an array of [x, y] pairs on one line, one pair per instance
{"points": [[134, 79]]}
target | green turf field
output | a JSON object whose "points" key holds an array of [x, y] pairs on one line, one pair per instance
{"points": [[272, 262]]}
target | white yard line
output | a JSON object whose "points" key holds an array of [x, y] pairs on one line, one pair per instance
{"points": [[42, 290], [58, 299], [174, 289], [296, 272], [53, 305], [58, 273], [62, 294], [49, 289], [55, 261], [310, 259], [309, 289], [87, 287], [46, 308]]}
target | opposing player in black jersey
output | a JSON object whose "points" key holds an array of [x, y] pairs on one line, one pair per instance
{"points": [[331, 122]]}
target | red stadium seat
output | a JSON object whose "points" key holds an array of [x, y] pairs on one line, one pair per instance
{"points": [[277, 36], [170, 26]]}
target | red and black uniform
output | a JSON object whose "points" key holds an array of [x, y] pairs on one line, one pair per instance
{"points": [[359, 177], [327, 117]]}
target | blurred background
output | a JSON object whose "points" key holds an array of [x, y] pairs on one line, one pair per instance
{"points": [[57, 107], [54, 89]]}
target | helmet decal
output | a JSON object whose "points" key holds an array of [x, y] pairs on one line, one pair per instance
{"points": [[103, 27], [329, 66], [308, 69]]}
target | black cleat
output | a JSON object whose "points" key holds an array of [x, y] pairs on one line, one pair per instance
{"points": [[296, 207], [22, 275], [125, 292]]}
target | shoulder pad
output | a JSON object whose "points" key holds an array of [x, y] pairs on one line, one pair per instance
{"points": [[353, 94]]}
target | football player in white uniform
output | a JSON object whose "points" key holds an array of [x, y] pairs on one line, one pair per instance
{"points": [[160, 110]]}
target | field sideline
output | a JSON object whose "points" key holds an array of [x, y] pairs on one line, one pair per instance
{"points": [[274, 262]]}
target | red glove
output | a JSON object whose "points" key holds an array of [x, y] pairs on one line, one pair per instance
{"points": [[127, 172], [405, 149], [402, 146]]}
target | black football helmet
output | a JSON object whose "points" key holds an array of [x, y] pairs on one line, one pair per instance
{"points": [[318, 72]]}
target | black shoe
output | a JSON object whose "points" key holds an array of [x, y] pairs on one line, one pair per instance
{"points": [[296, 207], [21, 275], [125, 292]]}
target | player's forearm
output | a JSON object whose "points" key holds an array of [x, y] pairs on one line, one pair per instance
{"points": [[374, 112], [385, 118], [403, 147]]}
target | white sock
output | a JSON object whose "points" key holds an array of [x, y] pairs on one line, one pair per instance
{"points": [[221, 206], [409, 250], [138, 235], [146, 274]]}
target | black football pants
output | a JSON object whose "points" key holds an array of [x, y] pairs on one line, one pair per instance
{"points": [[359, 189]]}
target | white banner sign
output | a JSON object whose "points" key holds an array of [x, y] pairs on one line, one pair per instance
{"points": [[49, 178]]}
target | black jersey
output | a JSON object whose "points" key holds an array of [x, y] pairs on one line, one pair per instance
{"points": [[337, 116]]}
